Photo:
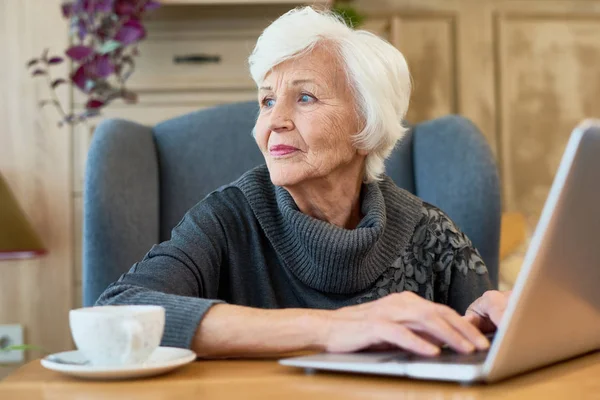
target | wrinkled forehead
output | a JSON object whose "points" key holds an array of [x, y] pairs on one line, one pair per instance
{"points": [[321, 66]]}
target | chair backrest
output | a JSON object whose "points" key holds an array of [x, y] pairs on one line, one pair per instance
{"points": [[201, 151], [141, 180]]}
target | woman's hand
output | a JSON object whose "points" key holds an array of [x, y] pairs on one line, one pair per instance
{"points": [[402, 320], [486, 312]]}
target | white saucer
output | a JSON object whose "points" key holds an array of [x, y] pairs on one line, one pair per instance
{"points": [[162, 360]]}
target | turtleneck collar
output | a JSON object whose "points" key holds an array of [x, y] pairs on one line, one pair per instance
{"points": [[324, 256]]}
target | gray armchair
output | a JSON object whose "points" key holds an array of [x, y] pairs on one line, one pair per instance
{"points": [[141, 180]]}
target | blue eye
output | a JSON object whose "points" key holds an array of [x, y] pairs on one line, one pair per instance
{"points": [[268, 102], [305, 98]]}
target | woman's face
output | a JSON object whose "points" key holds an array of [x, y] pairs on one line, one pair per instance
{"points": [[307, 119]]}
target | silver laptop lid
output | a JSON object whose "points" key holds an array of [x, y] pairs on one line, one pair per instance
{"points": [[554, 311]]}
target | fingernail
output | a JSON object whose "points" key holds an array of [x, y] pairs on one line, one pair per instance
{"points": [[467, 346], [482, 342], [433, 350]]}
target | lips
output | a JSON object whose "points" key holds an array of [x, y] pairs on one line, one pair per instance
{"points": [[281, 150]]}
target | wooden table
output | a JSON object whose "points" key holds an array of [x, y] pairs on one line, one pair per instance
{"points": [[258, 379]]}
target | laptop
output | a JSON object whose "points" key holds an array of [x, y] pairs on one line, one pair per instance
{"points": [[554, 311]]}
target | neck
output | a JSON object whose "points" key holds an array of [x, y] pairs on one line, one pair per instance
{"points": [[334, 198]]}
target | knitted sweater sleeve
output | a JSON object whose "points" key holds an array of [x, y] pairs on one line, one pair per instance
{"points": [[181, 274]]}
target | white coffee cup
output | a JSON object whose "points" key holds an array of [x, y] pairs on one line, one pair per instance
{"points": [[117, 335]]}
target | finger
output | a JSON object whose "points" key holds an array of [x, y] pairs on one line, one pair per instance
{"points": [[496, 313], [442, 330], [404, 338], [473, 308], [499, 307], [467, 330], [429, 318], [475, 319], [481, 305], [483, 324], [382, 347], [430, 338], [490, 307], [472, 319]]}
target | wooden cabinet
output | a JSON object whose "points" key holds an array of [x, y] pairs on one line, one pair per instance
{"points": [[244, 2], [186, 56], [549, 80], [525, 71]]}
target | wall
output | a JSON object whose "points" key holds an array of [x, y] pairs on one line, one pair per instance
{"points": [[35, 159]]}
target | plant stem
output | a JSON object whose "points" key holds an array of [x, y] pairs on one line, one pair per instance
{"points": [[57, 103]]}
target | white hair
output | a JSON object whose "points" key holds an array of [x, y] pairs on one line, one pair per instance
{"points": [[377, 73]]}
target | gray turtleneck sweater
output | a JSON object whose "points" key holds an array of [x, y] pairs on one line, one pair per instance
{"points": [[248, 244]]}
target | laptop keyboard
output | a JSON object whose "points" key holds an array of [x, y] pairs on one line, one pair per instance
{"points": [[446, 356]]}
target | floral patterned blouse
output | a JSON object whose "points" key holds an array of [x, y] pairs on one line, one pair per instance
{"points": [[437, 251]]}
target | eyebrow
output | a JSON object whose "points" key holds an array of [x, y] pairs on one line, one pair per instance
{"points": [[294, 83]]}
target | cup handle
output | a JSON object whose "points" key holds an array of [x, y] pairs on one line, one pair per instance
{"points": [[134, 332]]}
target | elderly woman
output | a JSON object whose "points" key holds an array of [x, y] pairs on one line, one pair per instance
{"points": [[318, 249]]}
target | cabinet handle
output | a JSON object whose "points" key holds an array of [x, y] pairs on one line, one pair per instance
{"points": [[197, 59]]}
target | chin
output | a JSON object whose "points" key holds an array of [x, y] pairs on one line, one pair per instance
{"points": [[284, 175]]}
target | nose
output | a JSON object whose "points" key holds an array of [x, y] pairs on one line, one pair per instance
{"points": [[281, 118]]}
